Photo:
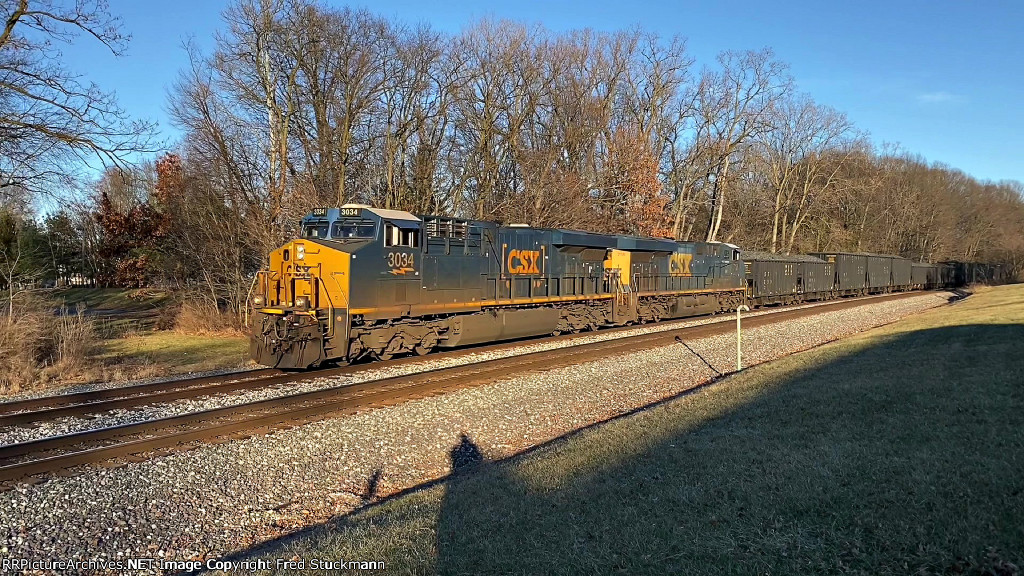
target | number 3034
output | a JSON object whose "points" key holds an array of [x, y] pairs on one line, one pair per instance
{"points": [[400, 259]]}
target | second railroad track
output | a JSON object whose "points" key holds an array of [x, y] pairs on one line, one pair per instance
{"points": [[38, 458]]}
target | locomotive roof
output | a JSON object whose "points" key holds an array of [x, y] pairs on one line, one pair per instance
{"points": [[332, 213], [393, 214]]}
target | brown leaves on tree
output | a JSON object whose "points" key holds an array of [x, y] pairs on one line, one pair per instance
{"points": [[170, 177], [633, 184], [131, 232]]}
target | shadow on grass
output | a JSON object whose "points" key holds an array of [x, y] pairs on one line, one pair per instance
{"points": [[898, 458]]}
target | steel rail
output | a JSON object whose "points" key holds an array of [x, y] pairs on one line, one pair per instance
{"points": [[9, 409], [97, 445], [48, 408]]}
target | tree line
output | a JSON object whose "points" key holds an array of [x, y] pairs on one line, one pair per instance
{"points": [[300, 104]]}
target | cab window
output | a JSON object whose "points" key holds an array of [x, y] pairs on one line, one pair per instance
{"points": [[315, 229], [343, 230], [396, 236]]}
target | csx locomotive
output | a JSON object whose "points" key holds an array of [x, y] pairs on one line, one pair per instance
{"points": [[363, 282], [366, 282]]}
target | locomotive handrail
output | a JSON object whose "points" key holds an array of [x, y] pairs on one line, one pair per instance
{"points": [[330, 315], [340, 289], [248, 296]]}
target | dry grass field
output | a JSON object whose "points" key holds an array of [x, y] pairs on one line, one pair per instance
{"points": [[79, 335], [897, 451]]}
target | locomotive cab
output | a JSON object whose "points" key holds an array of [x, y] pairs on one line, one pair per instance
{"points": [[302, 302]]}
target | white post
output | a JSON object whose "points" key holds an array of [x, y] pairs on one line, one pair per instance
{"points": [[739, 338]]}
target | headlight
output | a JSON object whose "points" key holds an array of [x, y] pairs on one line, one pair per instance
{"points": [[257, 300], [300, 252], [301, 302]]}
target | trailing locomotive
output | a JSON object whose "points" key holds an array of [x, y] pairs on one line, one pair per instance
{"points": [[365, 282]]}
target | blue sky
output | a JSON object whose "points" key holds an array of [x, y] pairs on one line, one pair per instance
{"points": [[941, 78]]}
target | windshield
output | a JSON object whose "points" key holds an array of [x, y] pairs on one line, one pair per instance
{"points": [[315, 229], [342, 230]]}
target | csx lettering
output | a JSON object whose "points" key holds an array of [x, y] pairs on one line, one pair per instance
{"points": [[679, 264], [524, 262]]}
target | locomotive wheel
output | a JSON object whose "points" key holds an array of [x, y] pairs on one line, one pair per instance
{"points": [[426, 344], [395, 346]]}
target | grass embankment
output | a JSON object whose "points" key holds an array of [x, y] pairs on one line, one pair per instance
{"points": [[114, 335], [169, 352], [110, 299], [139, 336], [897, 451]]}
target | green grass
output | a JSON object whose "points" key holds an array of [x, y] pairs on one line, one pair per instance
{"points": [[897, 451], [167, 352]]}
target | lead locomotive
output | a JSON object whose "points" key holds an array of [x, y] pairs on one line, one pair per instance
{"points": [[366, 282]]}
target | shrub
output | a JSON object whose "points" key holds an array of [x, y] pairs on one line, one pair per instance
{"points": [[38, 345], [201, 316], [73, 339]]}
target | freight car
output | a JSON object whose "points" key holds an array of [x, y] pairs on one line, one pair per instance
{"points": [[861, 273], [786, 279], [366, 282], [967, 273], [924, 276]]}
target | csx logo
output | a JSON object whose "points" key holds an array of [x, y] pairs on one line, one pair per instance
{"points": [[524, 262], [679, 264]]}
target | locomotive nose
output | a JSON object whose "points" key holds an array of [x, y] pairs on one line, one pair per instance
{"points": [[300, 305]]}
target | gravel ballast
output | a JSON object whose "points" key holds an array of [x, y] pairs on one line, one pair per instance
{"points": [[68, 425], [219, 499]]}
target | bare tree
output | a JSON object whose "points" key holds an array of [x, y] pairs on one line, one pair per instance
{"points": [[805, 151], [51, 121], [492, 102], [735, 108], [251, 66]]}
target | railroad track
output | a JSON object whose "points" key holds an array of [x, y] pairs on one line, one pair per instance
{"points": [[107, 399], [49, 408], [38, 458]]}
